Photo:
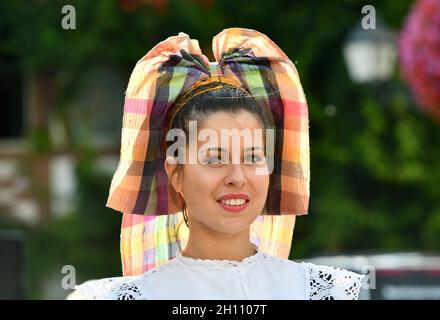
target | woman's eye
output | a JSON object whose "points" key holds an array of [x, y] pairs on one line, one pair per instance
{"points": [[253, 159], [214, 160]]}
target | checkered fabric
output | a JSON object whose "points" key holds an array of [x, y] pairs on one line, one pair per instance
{"points": [[140, 188]]}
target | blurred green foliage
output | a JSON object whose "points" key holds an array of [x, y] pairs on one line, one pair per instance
{"points": [[374, 162]]}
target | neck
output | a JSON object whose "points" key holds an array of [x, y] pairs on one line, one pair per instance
{"points": [[204, 244]]}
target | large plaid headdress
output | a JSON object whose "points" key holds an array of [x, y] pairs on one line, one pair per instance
{"points": [[140, 188]]}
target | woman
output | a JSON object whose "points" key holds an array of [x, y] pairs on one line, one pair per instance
{"points": [[226, 145]]}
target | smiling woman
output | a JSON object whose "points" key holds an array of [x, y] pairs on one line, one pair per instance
{"points": [[238, 200]]}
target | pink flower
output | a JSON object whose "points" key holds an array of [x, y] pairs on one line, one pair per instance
{"points": [[419, 53]]}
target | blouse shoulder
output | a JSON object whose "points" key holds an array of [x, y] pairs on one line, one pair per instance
{"points": [[329, 283], [118, 288]]}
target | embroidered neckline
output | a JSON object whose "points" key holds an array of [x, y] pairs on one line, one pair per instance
{"points": [[217, 262]]}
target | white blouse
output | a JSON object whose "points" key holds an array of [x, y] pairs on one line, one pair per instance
{"points": [[260, 277]]}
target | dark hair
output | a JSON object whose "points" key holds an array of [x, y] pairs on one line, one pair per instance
{"points": [[198, 108], [227, 99]]}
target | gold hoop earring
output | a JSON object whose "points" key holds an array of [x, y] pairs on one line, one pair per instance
{"points": [[185, 216]]}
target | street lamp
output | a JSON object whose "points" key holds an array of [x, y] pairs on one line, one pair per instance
{"points": [[370, 54]]}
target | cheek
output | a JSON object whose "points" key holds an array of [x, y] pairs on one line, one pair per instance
{"points": [[200, 184], [261, 187], [260, 183]]}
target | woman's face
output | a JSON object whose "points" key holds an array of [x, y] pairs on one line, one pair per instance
{"points": [[222, 173]]}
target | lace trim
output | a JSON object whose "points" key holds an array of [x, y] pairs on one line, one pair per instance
{"points": [[196, 262], [128, 291], [119, 288], [328, 283], [94, 289], [108, 289]]}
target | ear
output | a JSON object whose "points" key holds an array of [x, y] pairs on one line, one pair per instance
{"points": [[170, 166]]}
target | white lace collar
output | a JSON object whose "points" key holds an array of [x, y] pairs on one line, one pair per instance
{"points": [[196, 262]]}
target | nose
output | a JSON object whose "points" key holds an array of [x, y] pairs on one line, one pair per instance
{"points": [[235, 175]]}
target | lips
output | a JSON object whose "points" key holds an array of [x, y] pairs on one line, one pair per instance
{"points": [[232, 207]]}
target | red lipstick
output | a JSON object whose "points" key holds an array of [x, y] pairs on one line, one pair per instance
{"points": [[233, 208]]}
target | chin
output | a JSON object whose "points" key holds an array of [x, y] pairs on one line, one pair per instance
{"points": [[234, 226], [230, 230]]}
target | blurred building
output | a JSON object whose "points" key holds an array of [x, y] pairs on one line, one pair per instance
{"points": [[37, 162]]}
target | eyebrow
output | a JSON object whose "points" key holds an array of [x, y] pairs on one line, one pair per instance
{"points": [[223, 149]]}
